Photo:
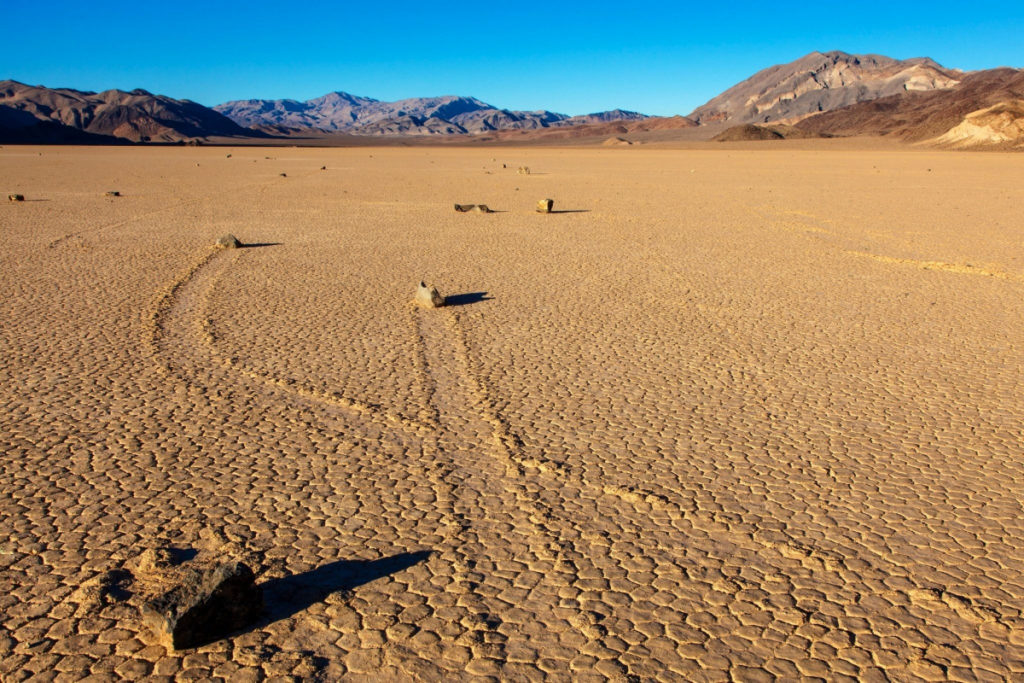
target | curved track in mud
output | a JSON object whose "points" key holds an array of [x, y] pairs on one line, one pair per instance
{"points": [[506, 516]]}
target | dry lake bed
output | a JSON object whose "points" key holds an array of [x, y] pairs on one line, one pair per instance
{"points": [[727, 413]]}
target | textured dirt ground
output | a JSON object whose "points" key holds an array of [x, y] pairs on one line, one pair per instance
{"points": [[731, 414]]}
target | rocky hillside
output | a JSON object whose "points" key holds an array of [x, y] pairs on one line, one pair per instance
{"points": [[340, 112], [922, 116], [40, 114], [998, 125], [820, 82]]}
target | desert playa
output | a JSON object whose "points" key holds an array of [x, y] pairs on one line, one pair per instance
{"points": [[731, 412]]}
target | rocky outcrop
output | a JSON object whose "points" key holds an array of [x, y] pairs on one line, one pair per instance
{"points": [[999, 125], [749, 132], [821, 82]]}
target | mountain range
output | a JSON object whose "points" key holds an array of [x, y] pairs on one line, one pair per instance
{"points": [[820, 94], [340, 112], [53, 115]]}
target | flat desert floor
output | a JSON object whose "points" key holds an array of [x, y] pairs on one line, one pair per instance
{"points": [[727, 414]]}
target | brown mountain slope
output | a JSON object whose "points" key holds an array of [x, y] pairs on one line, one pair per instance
{"points": [[818, 82], [921, 115], [138, 116], [21, 127]]}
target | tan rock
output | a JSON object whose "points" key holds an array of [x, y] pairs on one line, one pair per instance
{"points": [[545, 205], [428, 297]]}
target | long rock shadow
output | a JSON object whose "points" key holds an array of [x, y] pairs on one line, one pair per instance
{"points": [[466, 299], [257, 245], [289, 595], [570, 211]]}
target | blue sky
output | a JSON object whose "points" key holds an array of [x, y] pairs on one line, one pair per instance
{"points": [[571, 57]]}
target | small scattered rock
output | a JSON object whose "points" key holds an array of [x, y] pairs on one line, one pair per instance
{"points": [[463, 208], [481, 208], [15, 197], [113, 193], [284, 175], [228, 242], [228, 156], [523, 170], [545, 205], [428, 297], [323, 168]]}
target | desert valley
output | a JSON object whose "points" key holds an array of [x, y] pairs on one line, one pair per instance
{"points": [[735, 409]]}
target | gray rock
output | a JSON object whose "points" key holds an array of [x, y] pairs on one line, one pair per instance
{"points": [[474, 208], [428, 297], [203, 603], [545, 205], [228, 242]]}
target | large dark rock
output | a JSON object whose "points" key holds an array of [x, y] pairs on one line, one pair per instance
{"points": [[203, 602], [228, 242]]}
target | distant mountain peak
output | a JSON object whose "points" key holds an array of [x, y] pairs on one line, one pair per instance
{"points": [[821, 81]]}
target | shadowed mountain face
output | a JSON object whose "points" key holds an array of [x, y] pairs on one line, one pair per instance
{"points": [[341, 112], [820, 82], [920, 116], [65, 115]]}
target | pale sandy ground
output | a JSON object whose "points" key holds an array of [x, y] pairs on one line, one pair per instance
{"points": [[745, 413]]}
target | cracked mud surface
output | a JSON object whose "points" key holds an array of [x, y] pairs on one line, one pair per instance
{"points": [[732, 416]]}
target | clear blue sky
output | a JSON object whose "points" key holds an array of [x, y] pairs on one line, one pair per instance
{"points": [[571, 57]]}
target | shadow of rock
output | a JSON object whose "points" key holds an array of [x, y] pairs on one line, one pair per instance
{"points": [[289, 595], [257, 245], [571, 211], [466, 299]]}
